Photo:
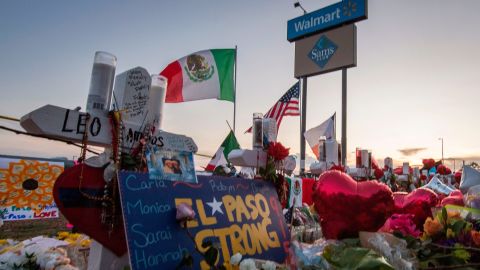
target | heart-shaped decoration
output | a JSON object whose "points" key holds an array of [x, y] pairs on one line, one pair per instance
{"points": [[418, 203], [455, 198], [86, 213], [347, 207]]}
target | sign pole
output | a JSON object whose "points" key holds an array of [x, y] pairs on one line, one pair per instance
{"points": [[303, 118], [235, 93], [344, 117]]}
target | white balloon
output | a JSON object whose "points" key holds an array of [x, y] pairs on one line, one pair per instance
{"points": [[470, 178], [290, 163]]}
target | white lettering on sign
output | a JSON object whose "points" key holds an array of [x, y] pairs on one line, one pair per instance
{"points": [[323, 54], [314, 21]]}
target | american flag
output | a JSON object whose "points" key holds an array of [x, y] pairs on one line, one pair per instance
{"points": [[286, 105]]}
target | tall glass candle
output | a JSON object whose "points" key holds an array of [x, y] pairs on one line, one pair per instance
{"points": [[156, 100], [101, 82], [257, 131]]}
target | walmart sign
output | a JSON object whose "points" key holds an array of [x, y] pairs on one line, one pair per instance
{"points": [[346, 11]]}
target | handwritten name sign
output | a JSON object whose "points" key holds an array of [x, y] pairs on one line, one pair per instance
{"points": [[68, 124], [237, 215]]}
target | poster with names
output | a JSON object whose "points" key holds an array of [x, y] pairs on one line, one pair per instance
{"points": [[236, 215]]}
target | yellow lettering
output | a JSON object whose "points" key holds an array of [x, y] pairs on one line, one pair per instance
{"points": [[265, 210], [241, 209], [272, 240], [230, 205], [246, 234], [222, 236], [199, 237], [236, 239], [249, 199], [201, 213], [261, 237]]}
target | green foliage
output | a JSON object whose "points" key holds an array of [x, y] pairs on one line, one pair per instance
{"points": [[128, 162], [31, 263], [460, 253], [269, 172], [345, 257]]}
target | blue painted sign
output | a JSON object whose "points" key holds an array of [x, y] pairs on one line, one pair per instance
{"points": [[346, 11], [236, 215], [323, 50]]}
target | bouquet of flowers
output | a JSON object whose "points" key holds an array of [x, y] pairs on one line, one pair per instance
{"points": [[451, 238]]}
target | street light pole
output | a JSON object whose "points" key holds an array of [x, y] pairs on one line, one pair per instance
{"points": [[442, 148]]}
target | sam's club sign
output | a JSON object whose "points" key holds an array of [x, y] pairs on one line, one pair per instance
{"points": [[323, 51], [346, 11]]}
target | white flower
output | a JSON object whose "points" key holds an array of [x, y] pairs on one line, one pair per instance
{"points": [[235, 259], [248, 264], [12, 258], [269, 265]]}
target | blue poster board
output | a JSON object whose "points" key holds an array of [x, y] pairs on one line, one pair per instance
{"points": [[236, 215]]}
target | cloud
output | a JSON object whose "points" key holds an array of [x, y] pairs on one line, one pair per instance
{"points": [[411, 151]]}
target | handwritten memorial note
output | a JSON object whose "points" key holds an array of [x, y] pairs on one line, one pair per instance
{"points": [[237, 215], [131, 93]]}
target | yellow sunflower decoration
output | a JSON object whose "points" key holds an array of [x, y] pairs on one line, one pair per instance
{"points": [[28, 183]]}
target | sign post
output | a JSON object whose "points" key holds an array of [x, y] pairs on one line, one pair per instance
{"points": [[325, 41], [344, 117], [303, 120]]}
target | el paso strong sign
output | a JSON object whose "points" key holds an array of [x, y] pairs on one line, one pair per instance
{"points": [[236, 215]]}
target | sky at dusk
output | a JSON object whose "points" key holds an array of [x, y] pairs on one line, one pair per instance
{"points": [[416, 80]]}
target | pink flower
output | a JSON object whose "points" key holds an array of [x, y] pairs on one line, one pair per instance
{"points": [[402, 223], [185, 212]]}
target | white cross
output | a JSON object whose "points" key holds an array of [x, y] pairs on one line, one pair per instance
{"points": [[58, 122]]}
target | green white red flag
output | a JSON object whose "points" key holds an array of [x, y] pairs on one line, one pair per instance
{"points": [[201, 75], [221, 156]]}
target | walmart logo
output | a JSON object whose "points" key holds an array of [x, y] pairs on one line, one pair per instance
{"points": [[323, 50]]}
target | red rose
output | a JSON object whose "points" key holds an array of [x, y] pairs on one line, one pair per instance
{"points": [[277, 151]]}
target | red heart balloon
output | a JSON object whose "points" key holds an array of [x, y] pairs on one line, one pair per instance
{"points": [[455, 198], [347, 207], [85, 213], [399, 199], [419, 203]]}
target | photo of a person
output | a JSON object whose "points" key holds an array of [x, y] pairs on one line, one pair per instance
{"points": [[171, 166]]}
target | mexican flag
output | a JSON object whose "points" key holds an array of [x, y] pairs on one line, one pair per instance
{"points": [[220, 158], [201, 75]]}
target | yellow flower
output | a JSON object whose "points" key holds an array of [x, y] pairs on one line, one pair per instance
{"points": [[74, 236], [85, 242], [62, 235], [432, 226], [475, 237], [450, 233], [3, 242], [453, 214]]}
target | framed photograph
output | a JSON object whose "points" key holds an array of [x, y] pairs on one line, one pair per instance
{"points": [[171, 165]]}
